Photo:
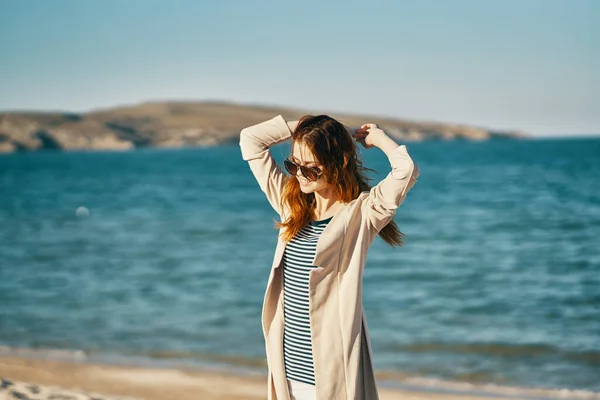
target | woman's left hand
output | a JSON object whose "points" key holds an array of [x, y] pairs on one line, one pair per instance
{"points": [[368, 134]]}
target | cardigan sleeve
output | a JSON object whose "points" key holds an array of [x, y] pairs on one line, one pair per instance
{"points": [[255, 143], [385, 197]]}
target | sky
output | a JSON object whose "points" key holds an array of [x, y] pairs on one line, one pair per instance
{"points": [[529, 65]]}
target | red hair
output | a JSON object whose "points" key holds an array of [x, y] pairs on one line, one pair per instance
{"points": [[333, 147]]}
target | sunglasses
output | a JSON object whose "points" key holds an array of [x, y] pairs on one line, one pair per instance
{"points": [[310, 173]]}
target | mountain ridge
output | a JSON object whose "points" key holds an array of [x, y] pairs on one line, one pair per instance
{"points": [[191, 124]]}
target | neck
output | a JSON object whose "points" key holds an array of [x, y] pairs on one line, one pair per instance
{"points": [[325, 201]]}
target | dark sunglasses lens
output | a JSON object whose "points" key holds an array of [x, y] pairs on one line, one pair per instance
{"points": [[290, 166], [309, 173]]}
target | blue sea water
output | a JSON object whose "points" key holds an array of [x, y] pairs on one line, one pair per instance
{"points": [[498, 281]]}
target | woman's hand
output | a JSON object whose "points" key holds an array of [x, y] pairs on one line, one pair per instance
{"points": [[368, 135]]}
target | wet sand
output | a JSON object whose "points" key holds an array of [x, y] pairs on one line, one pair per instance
{"points": [[67, 380]]}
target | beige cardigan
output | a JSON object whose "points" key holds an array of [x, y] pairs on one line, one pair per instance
{"points": [[340, 339]]}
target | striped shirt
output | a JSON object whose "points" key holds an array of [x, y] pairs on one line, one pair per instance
{"points": [[298, 259]]}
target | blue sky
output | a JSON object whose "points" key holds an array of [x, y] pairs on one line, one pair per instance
{"points": [[531, 65]]}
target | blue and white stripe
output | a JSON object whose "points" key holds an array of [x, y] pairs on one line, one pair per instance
{"points": [[298, 260]]}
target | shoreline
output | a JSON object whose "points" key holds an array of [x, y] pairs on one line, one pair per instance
{"points": [[110, 382], [145, 378]]}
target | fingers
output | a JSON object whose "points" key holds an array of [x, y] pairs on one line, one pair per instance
{"points": [[369, 126], [361, 134], [363, 130]]}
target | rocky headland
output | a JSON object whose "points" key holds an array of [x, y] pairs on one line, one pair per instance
{"points": [[188, 124]]}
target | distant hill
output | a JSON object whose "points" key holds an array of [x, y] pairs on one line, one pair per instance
{"points": [[187, 124]]}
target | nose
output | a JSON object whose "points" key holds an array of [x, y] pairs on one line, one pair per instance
{"points": [[300, 174]]}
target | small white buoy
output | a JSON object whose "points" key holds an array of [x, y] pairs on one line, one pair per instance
{"points": [[79, 355], [82, 212]]}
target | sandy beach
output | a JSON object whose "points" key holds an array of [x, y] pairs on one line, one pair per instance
{"points": [[27, 378]]}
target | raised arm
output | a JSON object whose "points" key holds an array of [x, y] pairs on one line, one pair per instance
{"points": [[255, 143], [385, 197]]}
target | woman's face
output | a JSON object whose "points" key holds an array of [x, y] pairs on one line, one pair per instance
{"points": [[301, 155]]}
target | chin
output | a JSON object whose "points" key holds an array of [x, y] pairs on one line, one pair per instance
{"points": [[307, 188]]}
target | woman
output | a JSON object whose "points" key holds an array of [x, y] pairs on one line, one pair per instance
{"points": [[315, 330]]}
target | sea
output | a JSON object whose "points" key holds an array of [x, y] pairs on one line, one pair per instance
{"points": [[161, 257]]}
